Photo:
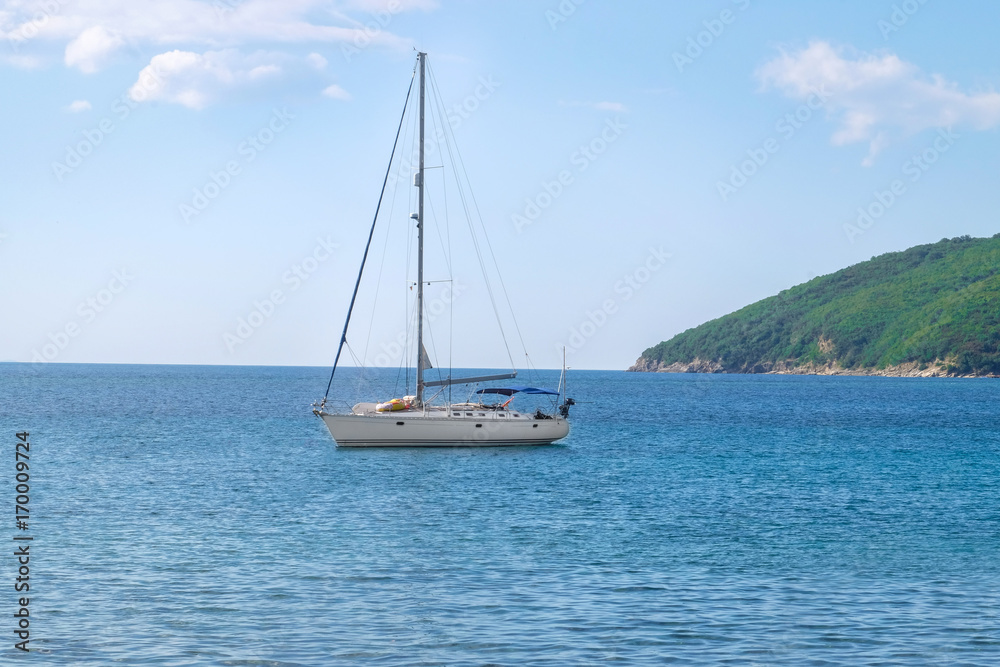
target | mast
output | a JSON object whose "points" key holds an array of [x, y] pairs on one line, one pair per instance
{"points": [[420, 243]]}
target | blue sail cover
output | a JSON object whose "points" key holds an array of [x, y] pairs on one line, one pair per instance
{"points": [[510, 391]]}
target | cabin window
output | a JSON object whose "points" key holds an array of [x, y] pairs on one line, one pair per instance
{"points": [[502, 416], [482, 414], [399, 423], [468, 414], [479, 425], [534, 426]]}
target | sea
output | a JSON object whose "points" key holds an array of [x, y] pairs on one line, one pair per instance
{"points": [[202, 515]]}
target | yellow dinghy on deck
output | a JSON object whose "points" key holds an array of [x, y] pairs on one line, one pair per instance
{"points": [[394, 405]]}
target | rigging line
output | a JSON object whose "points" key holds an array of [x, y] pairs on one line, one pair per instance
{"points": [[437, 121], [350, 350], [399, 371], [436, 96], [412, 163], [385, 245], [430, 335], [406, 164], [404, 354], [406, 169], [489, 244], [451, 277], [408, 353], [451, 285], [446, 247], [395, 386], [451, 145], [364, 258], [437, 228], [472, 231]]}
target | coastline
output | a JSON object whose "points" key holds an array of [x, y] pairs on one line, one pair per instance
{"points": [[938, 368]]}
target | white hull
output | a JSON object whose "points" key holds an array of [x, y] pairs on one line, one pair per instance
{"points": [[439, 428]]}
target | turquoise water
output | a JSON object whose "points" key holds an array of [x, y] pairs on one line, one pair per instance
{"points": [[202, 515]]}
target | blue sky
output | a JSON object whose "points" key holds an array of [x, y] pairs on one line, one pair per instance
{"points": [[712, 154]]}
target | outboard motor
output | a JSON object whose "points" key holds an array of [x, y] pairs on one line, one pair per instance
{"points": [[564, 408]]}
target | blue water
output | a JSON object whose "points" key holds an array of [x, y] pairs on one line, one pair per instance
{"points": [[202, 515]]}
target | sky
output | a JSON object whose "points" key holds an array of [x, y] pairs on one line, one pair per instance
{"points": [[192, 182]]}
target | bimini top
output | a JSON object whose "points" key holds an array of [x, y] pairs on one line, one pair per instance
{"points": [[510, 391]]}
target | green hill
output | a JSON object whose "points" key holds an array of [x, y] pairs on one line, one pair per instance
{"points": [[933, 307]]}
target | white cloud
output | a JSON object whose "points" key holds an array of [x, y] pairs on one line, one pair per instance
{"points": [[78, 105], [874, 148], [92, 48], [336, 92], [89, 32], [872, 95], [207, 48], [262, 71], [196, 80], [166, 22], [317, 61]]}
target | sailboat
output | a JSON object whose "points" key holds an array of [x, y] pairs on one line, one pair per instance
{"points": [[412, 421]]}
